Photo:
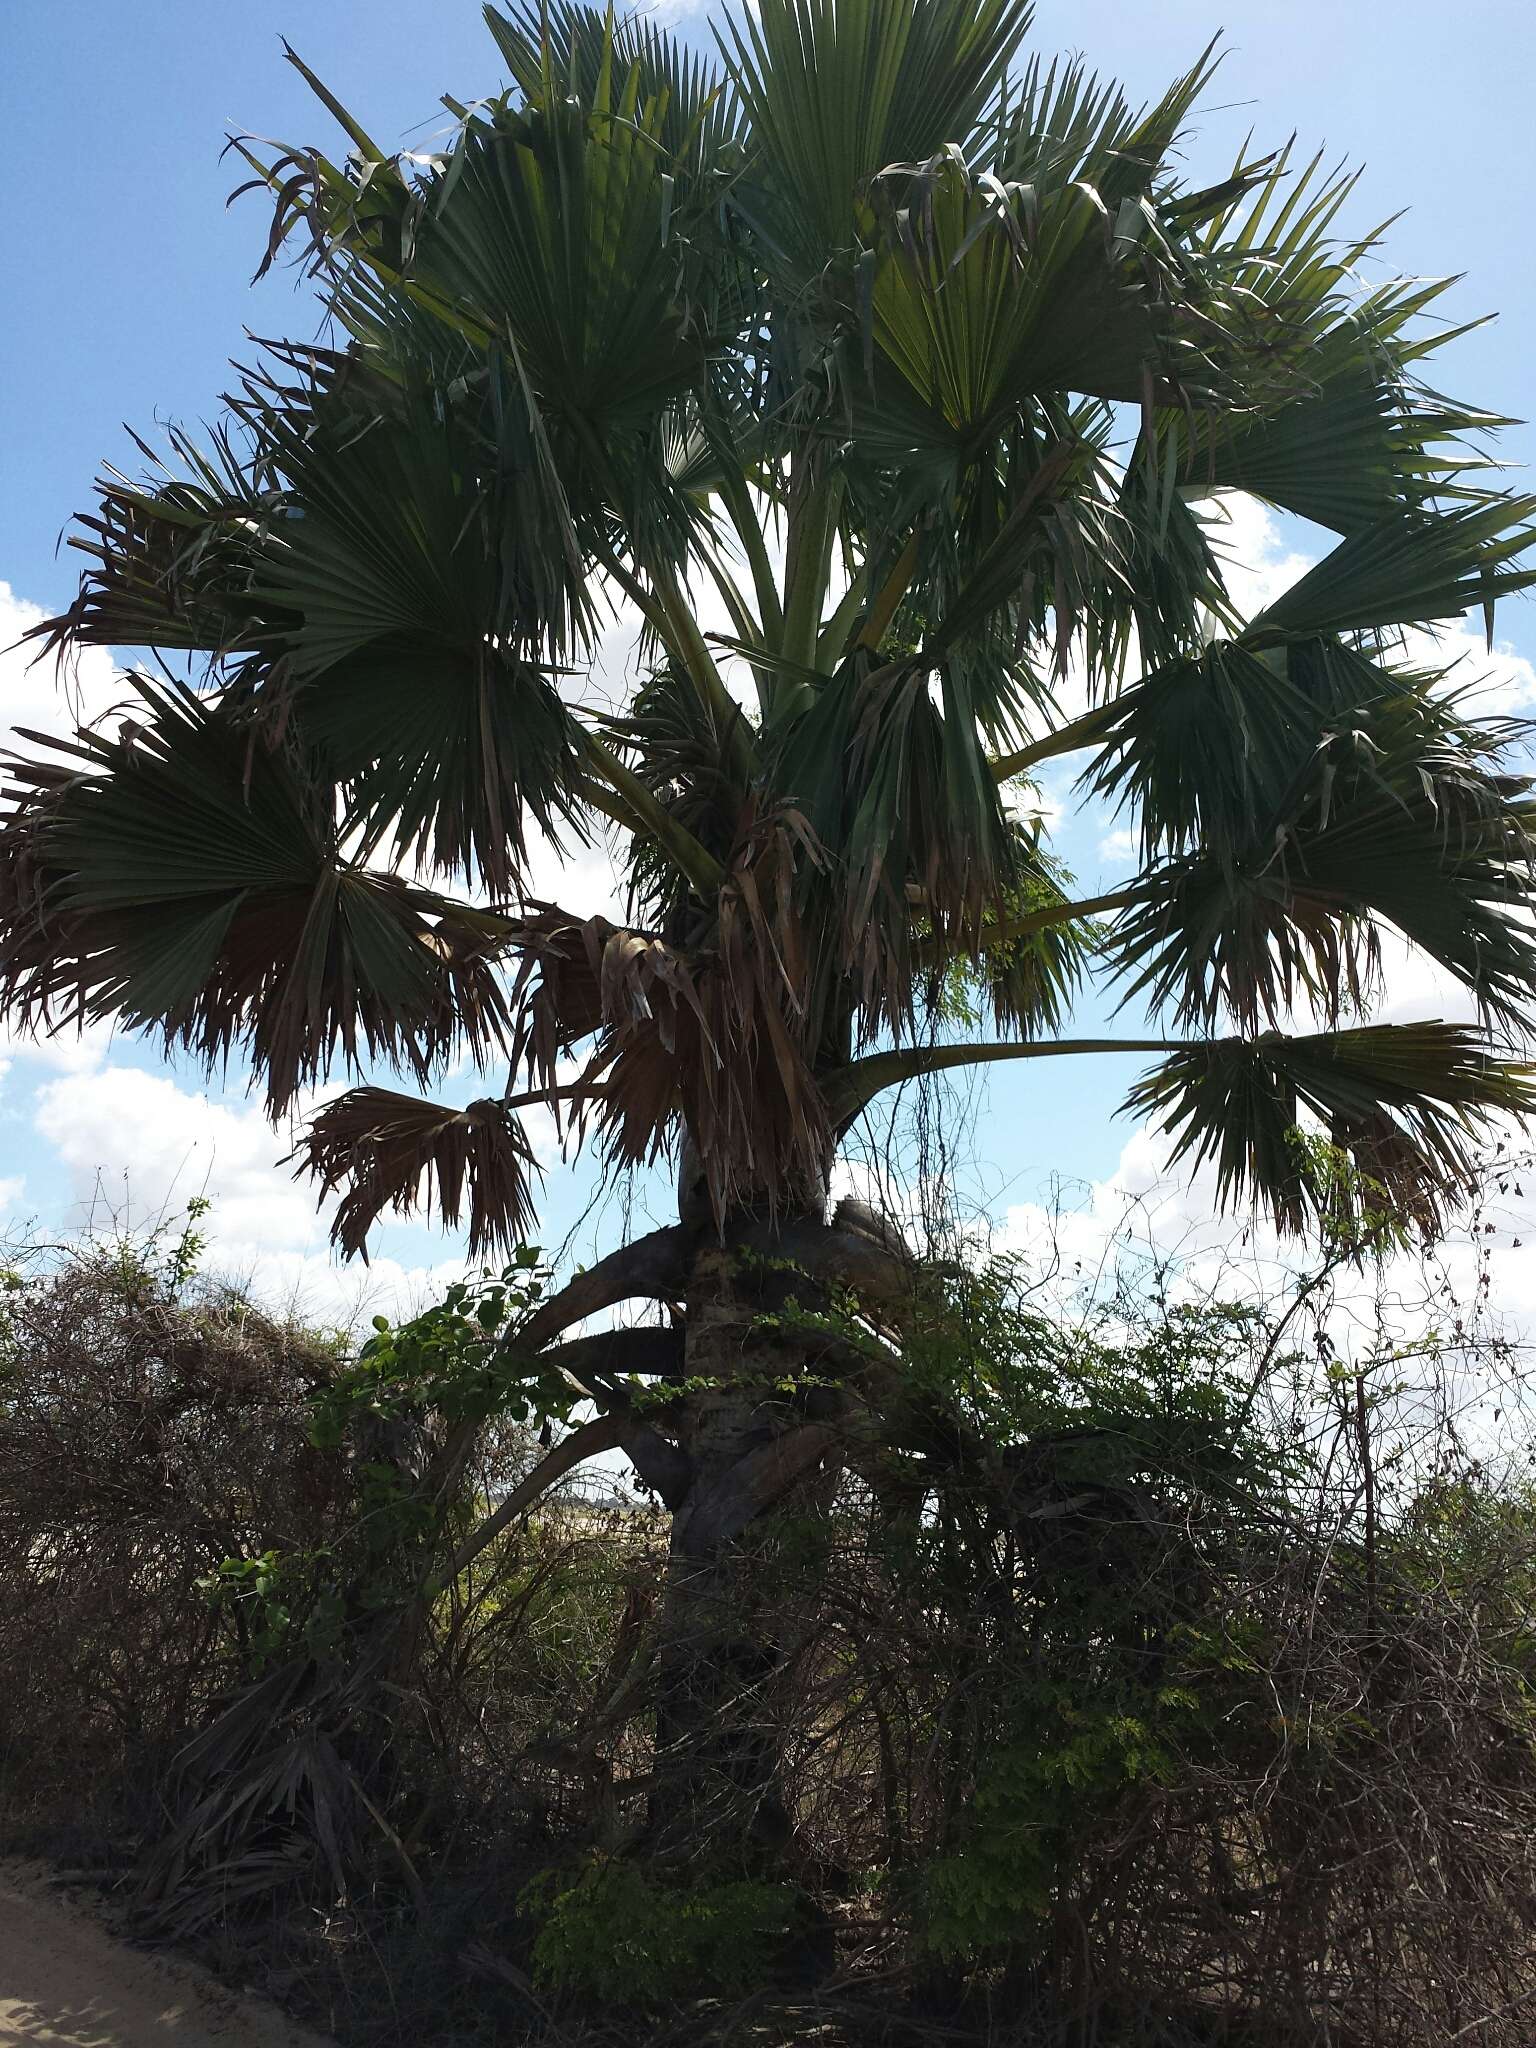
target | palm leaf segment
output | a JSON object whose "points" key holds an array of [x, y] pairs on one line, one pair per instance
{"points": [[1403, 1104], [925, 361], [186, 877]]}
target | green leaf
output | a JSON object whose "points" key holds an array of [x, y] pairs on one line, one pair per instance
{"points": [[1408, 571], [569, 45], [835, 90], [1328, 802]]}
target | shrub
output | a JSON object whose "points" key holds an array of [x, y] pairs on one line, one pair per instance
{"points": [[618, 1937], [150, 1429], [1100, 1696]]}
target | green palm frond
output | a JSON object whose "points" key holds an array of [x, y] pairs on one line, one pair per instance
{"points": [[188, 878], [1019, 544], [1439, 849], [1206, 750], [1409, 1105], [835, 90], [559, 233], [1207, 945], [374, 562], [173, 557], [989, 297], [1409, 571], [411, 517], [1357, 447], [554, 230], [1061, 125], [427, 573], [1174, 593], [1226, 750], [897, 789], [1045, 485], [565, 45], [1344, 434]]}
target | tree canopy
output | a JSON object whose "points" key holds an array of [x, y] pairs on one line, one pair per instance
{"points": [[928, 361]]}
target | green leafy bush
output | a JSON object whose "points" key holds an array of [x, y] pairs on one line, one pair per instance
{"points": [[617, 1936]]}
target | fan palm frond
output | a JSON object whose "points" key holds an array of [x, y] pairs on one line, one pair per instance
{"points": [[189, 878], [891, 772], [835, 90], [567, 45], [1061, 125], [398, 1152], [173, 557], [1291, 803], [1409, 571], [1347, 436], [1301, 921], [1409, 1105]]}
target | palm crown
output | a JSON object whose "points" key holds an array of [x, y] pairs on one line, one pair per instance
{"points": [[923, 360]]}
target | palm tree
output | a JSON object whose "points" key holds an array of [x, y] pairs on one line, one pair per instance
{"points": [[922, 359]]}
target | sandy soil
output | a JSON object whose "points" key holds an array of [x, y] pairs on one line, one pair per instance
{"points": [[65, 1982]]}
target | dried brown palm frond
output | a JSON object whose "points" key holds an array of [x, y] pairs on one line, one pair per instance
{"points": [[400, 1152], [717, 1039]]}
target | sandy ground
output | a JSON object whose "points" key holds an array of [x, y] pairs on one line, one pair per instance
{"points": [[65, 1982]]}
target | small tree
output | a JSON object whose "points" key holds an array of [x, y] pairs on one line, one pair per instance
{"points": [[929, 363]]}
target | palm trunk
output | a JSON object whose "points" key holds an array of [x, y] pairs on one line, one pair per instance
{"points": [[719, 1796]]}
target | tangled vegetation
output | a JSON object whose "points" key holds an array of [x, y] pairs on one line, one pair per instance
{"points": [[1164, 1681]]}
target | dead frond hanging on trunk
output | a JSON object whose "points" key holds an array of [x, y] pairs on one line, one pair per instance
{"points": [[716, 1038]]}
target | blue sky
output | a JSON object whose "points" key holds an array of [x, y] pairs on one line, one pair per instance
{"points": [[126, 293]]}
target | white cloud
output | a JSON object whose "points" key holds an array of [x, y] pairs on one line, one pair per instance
{"points": [[1144, 1214], [41, 694], [586, 880], [1416, 989], [69, 1051], [1500, 681], [1119, 846], [1256, 563], [664, 13], [138, 1146], [141, 1143], [316, 1289]]}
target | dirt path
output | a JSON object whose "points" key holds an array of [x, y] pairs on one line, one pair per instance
{"points": [[66, 1983]]}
